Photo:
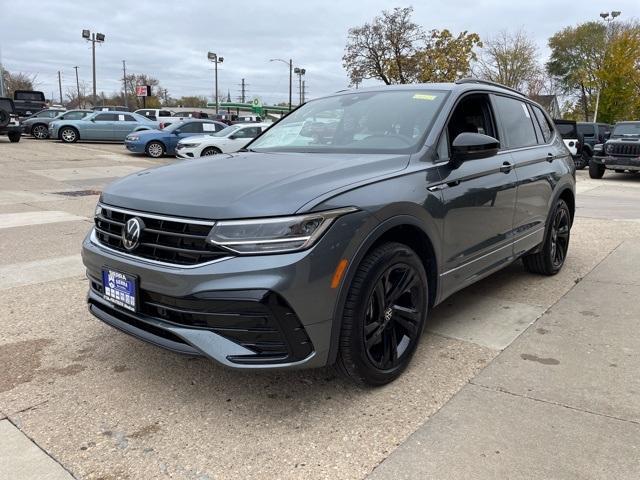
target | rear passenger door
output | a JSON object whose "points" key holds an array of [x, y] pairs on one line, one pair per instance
{"points": [[124, 125], [528, 137]]}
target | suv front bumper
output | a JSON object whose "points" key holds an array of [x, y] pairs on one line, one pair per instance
{"points": [[283, 304], [618, 163]]}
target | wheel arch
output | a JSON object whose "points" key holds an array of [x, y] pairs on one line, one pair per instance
{"points": [[404, 229]]}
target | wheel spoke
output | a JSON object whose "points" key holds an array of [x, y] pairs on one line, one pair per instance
{"points": [[375, 339], [407, 318], [406, 281]]}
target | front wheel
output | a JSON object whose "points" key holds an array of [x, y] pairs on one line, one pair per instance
{"points": [[155, 149], [210, 151], [14, 137], [384, 315], [69, 135], [550, 259], [596, 170], [40, 132]]}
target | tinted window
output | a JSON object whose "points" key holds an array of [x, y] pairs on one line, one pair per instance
{"points": [[516, 121], [250, 132], [626, 129], [543, 121], [191, 127], [74, 115], [6, 104], [567, 130], [586, 130], [602, 131], [29, 96], [106, 117], [164, 113]]}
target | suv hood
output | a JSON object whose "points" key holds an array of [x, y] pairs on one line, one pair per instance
{"points": [[247, 184]]}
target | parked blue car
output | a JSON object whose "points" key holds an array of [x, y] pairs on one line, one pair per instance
{"points": [[156, 143], [102, 126]]}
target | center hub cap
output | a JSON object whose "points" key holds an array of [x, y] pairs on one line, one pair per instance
{"points": [[388, 313]]}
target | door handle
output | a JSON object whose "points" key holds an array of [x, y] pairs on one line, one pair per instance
{"points": [[506, 167], [550, 157]]}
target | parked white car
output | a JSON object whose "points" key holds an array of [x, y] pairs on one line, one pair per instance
{"points": [[229, 140]]}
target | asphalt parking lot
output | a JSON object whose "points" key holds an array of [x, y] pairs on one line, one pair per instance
{"points": [[105, 406]]}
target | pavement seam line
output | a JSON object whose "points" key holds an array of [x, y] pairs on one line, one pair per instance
{"points": [[40, 448], [550, 402]]}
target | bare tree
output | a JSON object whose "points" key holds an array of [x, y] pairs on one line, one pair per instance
{"points": [[510, 59], [18, 81]]}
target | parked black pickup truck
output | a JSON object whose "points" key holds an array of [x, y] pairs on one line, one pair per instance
{"points": [[28, 102], [620, 153]]}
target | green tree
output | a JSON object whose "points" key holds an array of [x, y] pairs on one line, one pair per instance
{"points": [[394, 49]]}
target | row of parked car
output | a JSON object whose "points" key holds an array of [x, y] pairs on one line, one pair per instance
{"points": [[154, 132]]}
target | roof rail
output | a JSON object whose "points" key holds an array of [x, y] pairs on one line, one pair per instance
{"points": [[463, 81]]}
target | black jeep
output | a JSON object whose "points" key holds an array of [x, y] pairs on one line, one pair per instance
{"points": [[9, 121], [620, 153]]}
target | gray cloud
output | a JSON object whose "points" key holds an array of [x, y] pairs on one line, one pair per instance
{"points": [[169, 40]]}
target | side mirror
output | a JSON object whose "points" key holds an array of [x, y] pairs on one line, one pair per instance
{"points": [[232, 137], [472, 146], [177, 132], [607, 135], [93, 119]]}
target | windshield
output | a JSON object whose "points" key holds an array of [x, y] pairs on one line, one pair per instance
{"points": [[226, 131], [622, 129], [393, 121], [172, 126], [30, 96]]}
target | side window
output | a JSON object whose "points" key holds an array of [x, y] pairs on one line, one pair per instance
{"points": [[126, 118], [602, 132], [516, 121], [191, 127], [586, 130], [250, 132], [472, 115], [106, 117], [545, 126], [164, 113]]}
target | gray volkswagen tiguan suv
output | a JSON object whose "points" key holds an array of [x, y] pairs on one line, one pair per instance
{"points": [[329, 238]]}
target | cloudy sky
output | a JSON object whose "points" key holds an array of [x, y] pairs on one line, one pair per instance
{"points": [[170, 39]]}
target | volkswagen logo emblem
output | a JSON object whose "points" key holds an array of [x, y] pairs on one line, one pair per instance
{"points": [[131, 233]]}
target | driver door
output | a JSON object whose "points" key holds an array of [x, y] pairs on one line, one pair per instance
{"points": [[479, 200]]}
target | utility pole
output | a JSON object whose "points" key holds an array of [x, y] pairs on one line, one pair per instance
{"points": [[1, 76], [290, 64], [607, 17], [77, 85], [60, 85], [304, 91], [300, 72], [213, 57], [243, 91], [124, 84], [93, 38]]}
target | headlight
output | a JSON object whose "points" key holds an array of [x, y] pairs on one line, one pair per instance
{"points": [[133, 138], [188, 145], [608, 148], [97, 211], [274, 235]]}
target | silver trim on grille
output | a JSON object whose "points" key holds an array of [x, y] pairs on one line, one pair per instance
{"points": [[157, 216]]}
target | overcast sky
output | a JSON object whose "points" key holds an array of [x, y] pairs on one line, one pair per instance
{"points": [[170, 39]]}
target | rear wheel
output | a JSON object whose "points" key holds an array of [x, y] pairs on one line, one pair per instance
{"points": [[384, 315], [14, 137], [69, 135], [210, 151], [40, 131], [550, 259], [583, 161], [596, 170], [155, 149]]}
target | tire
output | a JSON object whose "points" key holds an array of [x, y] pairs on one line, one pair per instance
{"points": [[584, 160], [40, 131], [210, 151], [14, 137], [154, 149], [596, 170], [376, 321], [551, 257], [5, 118], [69, 135]]}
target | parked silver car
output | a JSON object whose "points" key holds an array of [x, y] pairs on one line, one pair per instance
{"points": [[105, 126]]}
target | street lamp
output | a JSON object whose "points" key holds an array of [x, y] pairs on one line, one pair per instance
{"points": [[290, 65], [300, 72], [93, 38], [607, 17], [213, 57]]}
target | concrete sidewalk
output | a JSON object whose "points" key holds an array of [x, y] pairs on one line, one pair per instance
{"points": [[561, 402]]}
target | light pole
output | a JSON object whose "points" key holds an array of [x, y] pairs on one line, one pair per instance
{"points": [[300, 72], [93, 38], [607, 17], [77, 86], [213, 57], [60, 85], [290, 64]]}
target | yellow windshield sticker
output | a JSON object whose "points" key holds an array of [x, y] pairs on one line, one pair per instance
{"points": [[424, 96]]}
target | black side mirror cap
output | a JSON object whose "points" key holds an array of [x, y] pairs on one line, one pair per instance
{"points": [[472, 146]]}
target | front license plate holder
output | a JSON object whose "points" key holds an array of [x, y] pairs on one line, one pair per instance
{"points": [[120, 288]]}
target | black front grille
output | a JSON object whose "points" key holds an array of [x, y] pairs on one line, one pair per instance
{"points": [[165, 240], [631, 149]]}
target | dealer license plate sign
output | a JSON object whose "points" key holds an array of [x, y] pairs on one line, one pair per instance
{"points": [[119, 288]]}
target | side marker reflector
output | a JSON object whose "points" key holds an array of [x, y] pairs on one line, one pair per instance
{"points": [[337, 275]]}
